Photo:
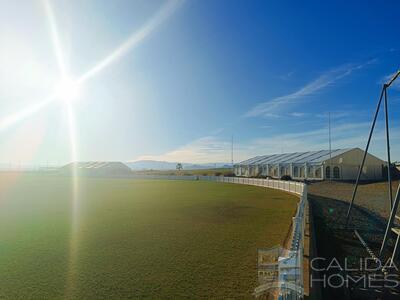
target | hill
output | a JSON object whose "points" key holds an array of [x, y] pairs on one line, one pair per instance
{"points": [[166, 165]]}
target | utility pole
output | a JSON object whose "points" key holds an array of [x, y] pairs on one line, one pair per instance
{"points": [[232, 151]]}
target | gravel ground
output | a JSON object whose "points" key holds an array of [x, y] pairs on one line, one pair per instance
{"points": [[329, 202], [373, 196]]}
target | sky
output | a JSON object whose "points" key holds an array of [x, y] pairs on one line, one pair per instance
{"points": [[175, 80]]}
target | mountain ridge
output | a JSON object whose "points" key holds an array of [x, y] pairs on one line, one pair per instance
{"points": [[166, 165]]}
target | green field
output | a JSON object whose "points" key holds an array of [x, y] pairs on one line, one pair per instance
{"points": [[134, 238]]}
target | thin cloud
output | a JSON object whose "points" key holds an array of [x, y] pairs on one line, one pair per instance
{"points": [[217, 131], [395, 85], [287, 76], [325, 80], [345, 135], [272, 115], [203, 150], [338, 114], [297, 114], [211, 149]]}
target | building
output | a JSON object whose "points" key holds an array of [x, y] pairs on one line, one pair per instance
{"points": [[339, 164], [97, 168]]}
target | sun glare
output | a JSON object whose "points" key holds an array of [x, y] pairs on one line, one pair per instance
{"points": [[67, 90]]}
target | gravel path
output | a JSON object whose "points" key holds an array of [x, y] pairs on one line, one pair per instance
{"points": [[334, 239]]}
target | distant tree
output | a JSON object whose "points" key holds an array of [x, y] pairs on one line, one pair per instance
{"points": [[179, 166]]}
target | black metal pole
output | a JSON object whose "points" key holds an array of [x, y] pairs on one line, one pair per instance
{"points": [[330, 150], [393, 78], [364, 157], [391, 219], [388, 148], [397, 198]]}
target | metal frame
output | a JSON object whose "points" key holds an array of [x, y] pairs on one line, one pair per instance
{"points": [[393, 205]]}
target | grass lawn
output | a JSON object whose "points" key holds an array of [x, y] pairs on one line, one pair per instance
{"points": [[134, 238]]}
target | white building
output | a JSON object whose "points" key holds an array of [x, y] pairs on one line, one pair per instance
{"points": [[340, 164]]}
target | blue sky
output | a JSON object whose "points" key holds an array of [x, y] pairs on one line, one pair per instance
{"points": [[187, 75]]}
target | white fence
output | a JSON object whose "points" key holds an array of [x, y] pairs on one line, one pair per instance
{"points": [[289, 281], [288, 186]]}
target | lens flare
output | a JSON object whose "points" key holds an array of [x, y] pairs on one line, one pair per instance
{"points": [[67, 90], [23, 114], [138, 36], [73, 242], [55, 37]]}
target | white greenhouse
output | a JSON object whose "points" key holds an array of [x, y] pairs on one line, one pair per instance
{"points": [[97, 168], [338, 164]]}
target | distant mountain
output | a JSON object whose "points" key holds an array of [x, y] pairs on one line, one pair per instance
{"points": [[166, 165]]}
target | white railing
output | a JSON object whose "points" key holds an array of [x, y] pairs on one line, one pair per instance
{"points": [[289, 280], [291, 269], [288, 186]]}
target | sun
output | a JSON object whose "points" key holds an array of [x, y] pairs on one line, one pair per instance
{"points": [[67, 90]]}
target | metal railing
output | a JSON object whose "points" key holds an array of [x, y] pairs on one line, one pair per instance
{"points": [[288, 186], [288, 280]]}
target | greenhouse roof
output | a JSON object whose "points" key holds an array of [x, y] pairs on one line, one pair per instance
{"points": [[296, 157]]}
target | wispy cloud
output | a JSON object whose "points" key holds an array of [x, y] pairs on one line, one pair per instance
{"points": [[217, 131], [266, 126], [287, 76], [395, 85], [337, 114], [203, 150], [325, 80], [344, 135], [297, 114]]}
